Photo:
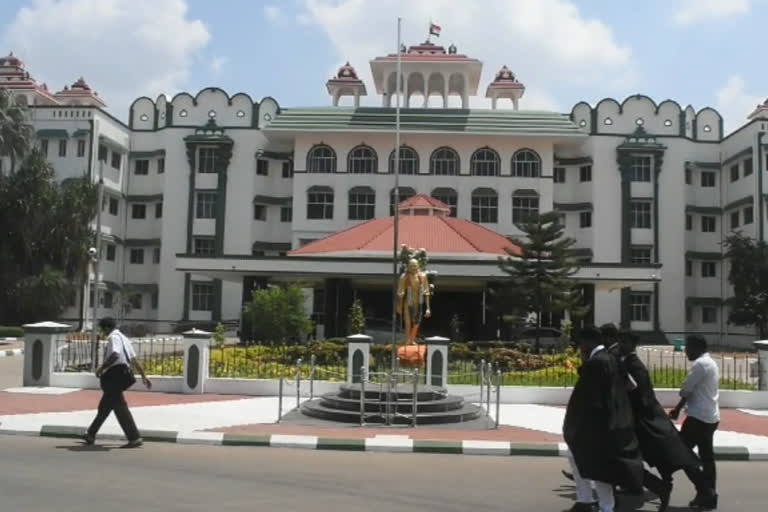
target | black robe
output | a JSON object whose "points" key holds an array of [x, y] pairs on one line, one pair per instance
{"points": [[660, 442], [599, 427]]}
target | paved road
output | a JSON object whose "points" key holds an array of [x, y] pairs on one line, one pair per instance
{"points": [[55, 474], [11, 372]]}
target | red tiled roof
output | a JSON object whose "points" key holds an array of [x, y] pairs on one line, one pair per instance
{"points": [[423, 201], [435, 233]]}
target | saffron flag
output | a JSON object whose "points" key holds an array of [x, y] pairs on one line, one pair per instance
{"points": [[434, 30]]}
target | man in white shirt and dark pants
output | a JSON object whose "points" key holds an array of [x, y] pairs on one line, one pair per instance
{"points": [[699, 395], [119, 356]]}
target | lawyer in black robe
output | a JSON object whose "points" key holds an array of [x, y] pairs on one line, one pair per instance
{"points": [[599, 426]]}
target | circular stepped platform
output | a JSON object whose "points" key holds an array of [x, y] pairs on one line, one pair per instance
{"points": [[433, 405]]}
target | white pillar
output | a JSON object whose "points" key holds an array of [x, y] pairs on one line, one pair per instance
{"points": [[762, 363], [358, 356], [437, 361], [336, 98], [40, 351], [357, 99], [445, 91], [196, 355], [515, 103]]}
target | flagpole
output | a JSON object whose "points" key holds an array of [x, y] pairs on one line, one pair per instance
{"points": [[396, 200]]}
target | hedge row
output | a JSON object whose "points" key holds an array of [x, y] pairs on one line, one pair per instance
{"points": [[11, 332]]}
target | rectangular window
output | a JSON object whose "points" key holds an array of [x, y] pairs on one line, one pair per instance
{"points": [[158, 210], [362, 205], [320, 205], [688, 222], [139, 211], [585, 173], [749, 215], [117, 159], [206, 160], [135, 301], [688, 314], [708, 315], [286, 214], [485, 209], [688, 176], [707, 179], [156, 255], [107, 300], [559, 175], [80, 148], [111, 252], [640, 255], [137, 256], [141, 167], [640, 307], [585, 219], [708, 269], [114, 206], [689, 268], [262, 167], [734, 172], [205, 205], [44, 147], [63, 147], [202, 297], [204, 246], [260, 212], [708, 224], [155, 300], [641, 168], [735, 219], [288, 169], [161, 166], [447, 196], [103, 153], [524, 209], [641, 214], [748, 167]]}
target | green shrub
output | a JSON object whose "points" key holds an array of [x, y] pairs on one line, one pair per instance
{"points": [[11, 332]]}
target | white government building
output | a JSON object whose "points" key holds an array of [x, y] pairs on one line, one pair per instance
{"points": [[206, 195]]}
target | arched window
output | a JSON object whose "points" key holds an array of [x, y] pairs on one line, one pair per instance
{"points": [[526, 164], [405, 193], [409, 161], [485, 162], [321, 159], [485, 206], [320, 203], [525, 206], [362, 160], [444, 162], [362, 203], [448, 196]]}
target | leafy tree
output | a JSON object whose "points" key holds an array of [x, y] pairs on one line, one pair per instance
{"points": [[540, 277], [219, 337], [276, 314], [749, 277], [16, 136], [356, 320], [44, 225]]}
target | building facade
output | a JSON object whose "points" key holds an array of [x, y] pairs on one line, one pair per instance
{"points": [[199, 184]]}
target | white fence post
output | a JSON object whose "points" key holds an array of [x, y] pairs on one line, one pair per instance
{"points": [[40, 351]]}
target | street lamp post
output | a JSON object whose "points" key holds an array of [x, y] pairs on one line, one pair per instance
{"points": [[95, 255]]}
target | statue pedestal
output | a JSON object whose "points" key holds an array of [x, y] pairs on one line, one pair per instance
{"points": [[437, 361], [412, 356]]}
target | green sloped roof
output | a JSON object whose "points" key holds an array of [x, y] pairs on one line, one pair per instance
{"points": [[502, 122]]}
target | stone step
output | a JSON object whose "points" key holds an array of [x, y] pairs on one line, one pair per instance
{"points": [[402, 391], [446, 403], [317, 409]]}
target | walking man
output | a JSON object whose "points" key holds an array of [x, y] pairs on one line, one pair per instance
{"points": [[599, 428], [115, 376], [660, 442], [700, 395]]}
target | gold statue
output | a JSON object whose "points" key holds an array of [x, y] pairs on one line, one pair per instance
{"points": [[413, 294]]}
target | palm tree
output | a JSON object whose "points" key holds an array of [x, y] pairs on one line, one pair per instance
{"points": [[16, 136]]}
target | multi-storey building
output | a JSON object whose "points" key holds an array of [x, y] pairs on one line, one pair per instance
{"points": [[208, 194]]}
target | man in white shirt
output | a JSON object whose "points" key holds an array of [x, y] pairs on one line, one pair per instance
{"points": [[114, 375], [699, 395]]}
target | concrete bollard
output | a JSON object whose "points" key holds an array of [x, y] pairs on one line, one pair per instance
{"points": [[358, 356], [762, 364], [40, 351], [196, 355]]}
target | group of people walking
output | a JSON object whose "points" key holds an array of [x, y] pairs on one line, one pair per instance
{"points": [[614, 424]]}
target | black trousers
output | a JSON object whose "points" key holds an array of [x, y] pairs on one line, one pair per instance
{"points": [[113, 399], [700, 434]]}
